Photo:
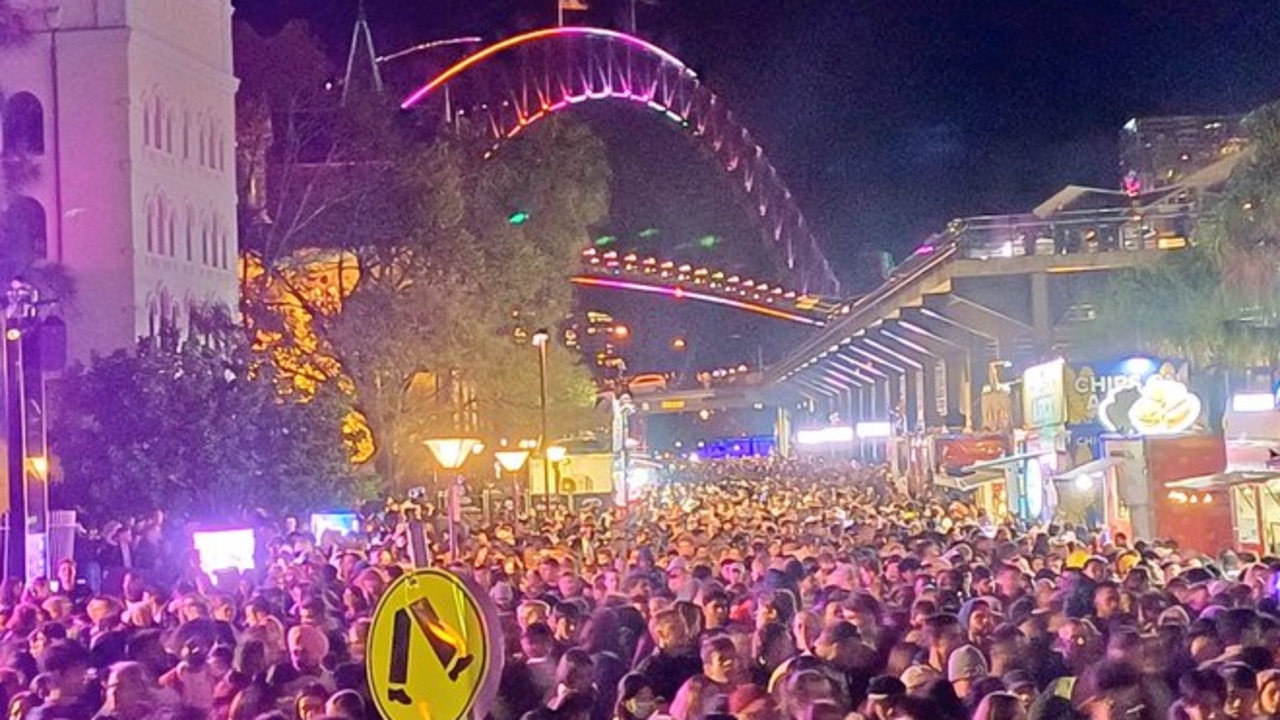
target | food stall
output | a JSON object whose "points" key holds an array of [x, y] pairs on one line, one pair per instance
{"points": [[1250, 483], [1131, 426], [1032, 496], [975, 463]]}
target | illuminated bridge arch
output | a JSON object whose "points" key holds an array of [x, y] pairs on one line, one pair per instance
{"points": [[546, 71]]}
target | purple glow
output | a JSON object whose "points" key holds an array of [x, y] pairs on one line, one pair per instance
{"points": [[479, 57], [680, 293]]}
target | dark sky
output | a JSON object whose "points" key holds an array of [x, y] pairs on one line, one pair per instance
{"points": [[888, 117]]}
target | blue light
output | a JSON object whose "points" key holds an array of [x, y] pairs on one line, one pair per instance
{"points": [[1139, 367]]}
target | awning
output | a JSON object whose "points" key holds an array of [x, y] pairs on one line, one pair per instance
{"points": [[1222, 481], [968, 483], [1092, 467], [1001, 462]]}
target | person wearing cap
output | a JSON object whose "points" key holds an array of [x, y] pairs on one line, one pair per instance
{"points": [[882, 693], [842, 649], [917, 677], [1022, 684]]}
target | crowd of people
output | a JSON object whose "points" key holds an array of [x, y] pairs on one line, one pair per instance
{"points": [[757, 590]]}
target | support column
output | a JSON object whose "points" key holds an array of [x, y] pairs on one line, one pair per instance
{"points": [[1041, 314], [912, 414], [957, 368]]}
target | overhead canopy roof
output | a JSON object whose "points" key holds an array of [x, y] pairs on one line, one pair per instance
{"points": [[968, 483], [1223, 480], [1090, 468]]}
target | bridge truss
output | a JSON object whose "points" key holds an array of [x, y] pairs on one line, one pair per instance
{"points": [[530, 77]]}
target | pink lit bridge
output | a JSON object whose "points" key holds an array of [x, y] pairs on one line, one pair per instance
{"points": [[530, 77], [1006, 288]]}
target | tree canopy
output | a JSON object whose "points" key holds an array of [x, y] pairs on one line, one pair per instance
{"points": [[200, 431], [1216, 303], [425, 314]]}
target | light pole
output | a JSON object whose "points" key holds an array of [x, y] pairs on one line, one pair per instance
{"points": [[555, 454], [451, 453], [540, 340], [512, 461]]}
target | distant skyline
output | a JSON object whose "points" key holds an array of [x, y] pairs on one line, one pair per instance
{"points": [[886, 119]]}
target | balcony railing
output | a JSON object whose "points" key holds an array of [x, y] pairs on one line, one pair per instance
{"points": [[1070, 233]]}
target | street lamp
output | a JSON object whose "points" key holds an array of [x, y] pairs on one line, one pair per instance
{"points": [[512, 461], [556, 454], [541, 338], [451, 453]]}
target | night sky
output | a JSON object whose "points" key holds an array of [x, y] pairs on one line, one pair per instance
{"points": [[886, 118]]}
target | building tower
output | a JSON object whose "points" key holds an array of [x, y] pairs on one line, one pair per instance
{"points": [[124, 111]]}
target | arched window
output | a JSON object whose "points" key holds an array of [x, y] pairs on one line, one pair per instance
{"points": [[173, 233], [26, 229], [151, 224], [204, 244], [186, 134], [202, 145], [146, 122], [168, 131], [23, 125], [157, 132], [226, 252], [213, 146], [191, 228]]}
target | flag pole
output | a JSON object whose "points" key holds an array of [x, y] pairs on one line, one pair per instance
{"points": [[634, 31], [560, 13]]}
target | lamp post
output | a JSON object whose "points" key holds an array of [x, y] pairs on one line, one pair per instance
{"points": [[511, 461], [555, 454], [451, 453], [541, 338]]}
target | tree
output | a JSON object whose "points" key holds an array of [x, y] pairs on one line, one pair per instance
{"points": [[199, 431], [437, 327], [382, 259], [1217, 303]]}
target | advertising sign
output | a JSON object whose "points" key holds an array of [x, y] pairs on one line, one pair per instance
{"points": [[1136, 396], [960, 451], [1044, 394]]}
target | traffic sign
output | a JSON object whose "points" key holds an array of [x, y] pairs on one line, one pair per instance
{"points": [[430, 647]]}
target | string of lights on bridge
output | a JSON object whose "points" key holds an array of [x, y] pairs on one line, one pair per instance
{"points": [[708, 285]]}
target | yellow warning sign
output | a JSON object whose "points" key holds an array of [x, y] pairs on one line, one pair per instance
{"points": [[428, 649]]}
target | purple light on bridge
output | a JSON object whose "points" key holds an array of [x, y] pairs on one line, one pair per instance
{"points": [[680, 293], [473, 60]]}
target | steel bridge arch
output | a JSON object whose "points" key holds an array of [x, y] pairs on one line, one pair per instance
{"points": [[558, 68]]}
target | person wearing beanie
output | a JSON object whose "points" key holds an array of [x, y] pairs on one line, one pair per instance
{"points": [[965, 667], [308, 647]]}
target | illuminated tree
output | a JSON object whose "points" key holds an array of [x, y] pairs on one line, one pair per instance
{"points": [[199, 431], [453, 259]]}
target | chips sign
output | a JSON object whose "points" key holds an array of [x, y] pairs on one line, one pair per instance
{"points": [[430, 652], [1136, 396]]}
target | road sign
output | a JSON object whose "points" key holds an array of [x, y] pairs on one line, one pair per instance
{"points": [[429, 648]]}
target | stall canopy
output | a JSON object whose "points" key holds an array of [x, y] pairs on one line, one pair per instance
{"points": [[970, 482], [1094, 467], [1224, 480], [1002, 462]]}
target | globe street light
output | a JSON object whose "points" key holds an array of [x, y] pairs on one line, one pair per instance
{"points": [[512, 461], [451, 453], [541, 338]]}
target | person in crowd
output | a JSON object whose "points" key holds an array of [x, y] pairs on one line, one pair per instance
{"points": [[775, 589]]}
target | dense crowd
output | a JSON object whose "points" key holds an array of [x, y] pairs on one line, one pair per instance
{"points": [[759, 590]]}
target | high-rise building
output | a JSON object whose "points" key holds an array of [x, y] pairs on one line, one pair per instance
{"points": [[1158, 152], [123, 114]]}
